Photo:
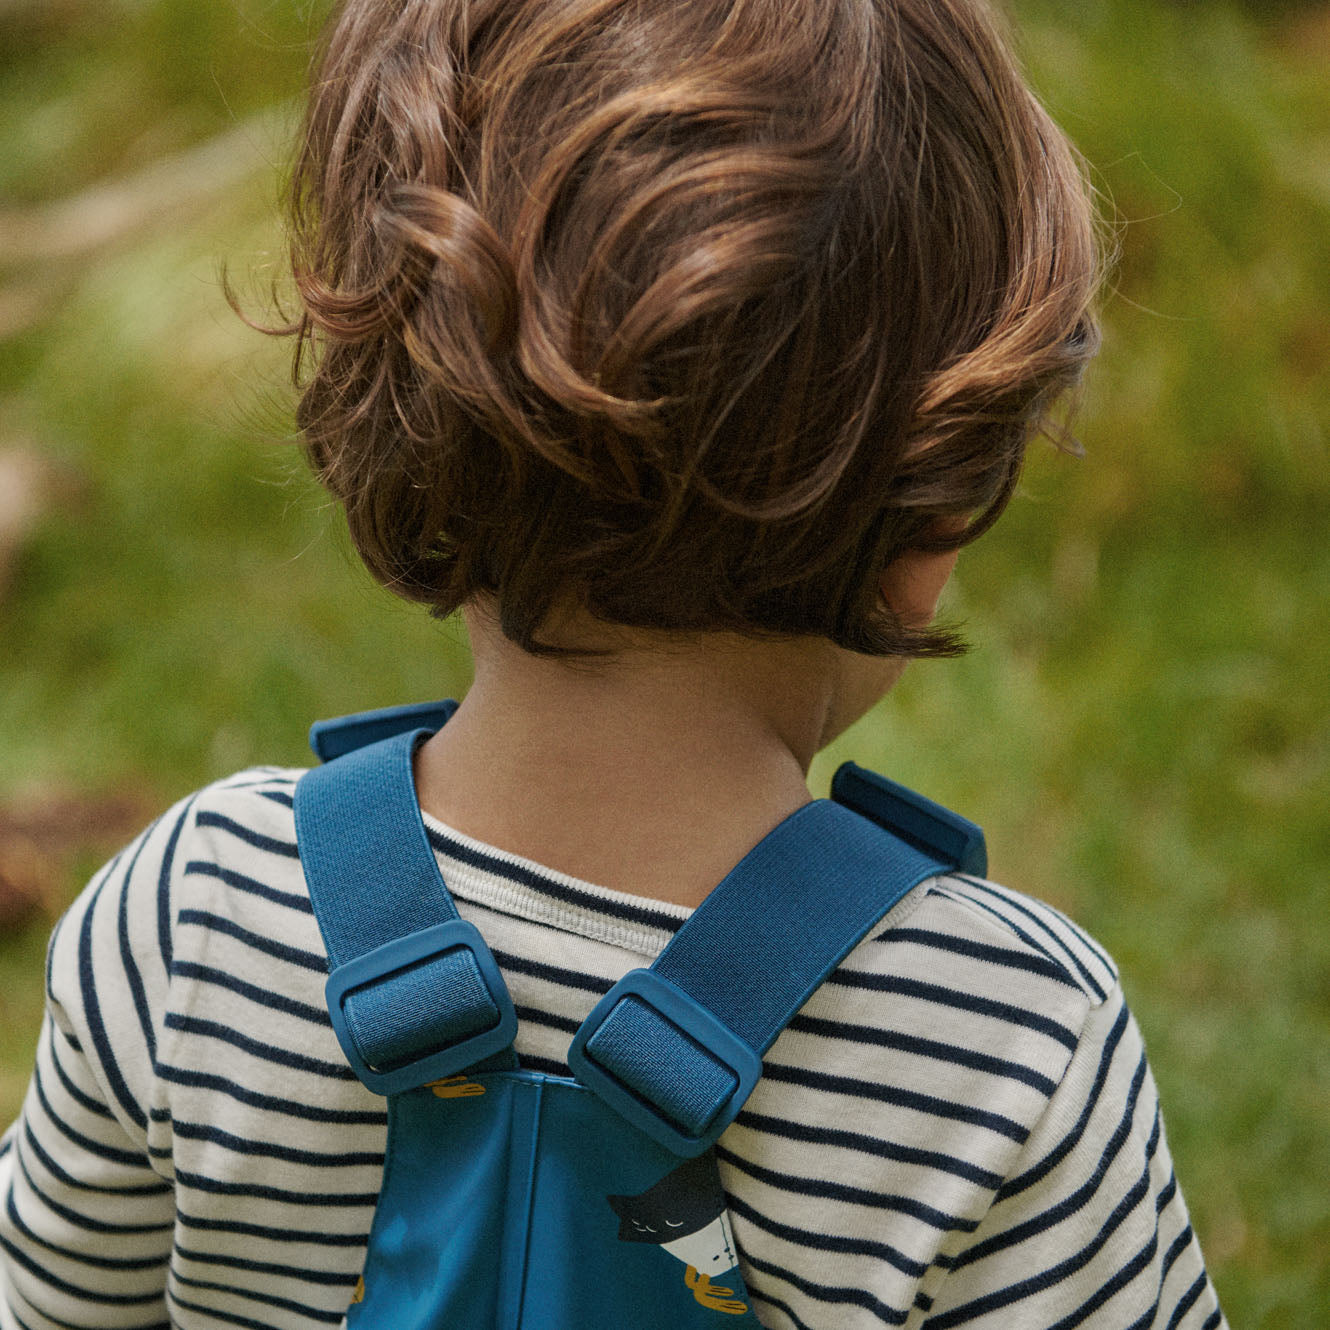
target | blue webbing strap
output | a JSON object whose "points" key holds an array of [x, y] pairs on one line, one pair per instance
{"points": [[408, 977], [678, 1048]]}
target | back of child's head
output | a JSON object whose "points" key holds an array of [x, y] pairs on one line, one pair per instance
{"points": [[692, 314]]}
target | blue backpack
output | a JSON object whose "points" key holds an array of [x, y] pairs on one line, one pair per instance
{"points": [[514, 1199]]}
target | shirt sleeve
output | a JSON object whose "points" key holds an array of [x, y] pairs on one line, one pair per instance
{"points": [[1089, 1228], [86, 1213]]}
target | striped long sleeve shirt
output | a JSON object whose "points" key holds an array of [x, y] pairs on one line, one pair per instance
{"points": [[960, 1127]]}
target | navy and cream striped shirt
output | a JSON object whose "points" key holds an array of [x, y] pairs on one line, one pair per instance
{"points": [[959, 1129]]}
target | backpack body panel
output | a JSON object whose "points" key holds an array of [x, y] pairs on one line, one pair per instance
{"points": [[513, 1200]]}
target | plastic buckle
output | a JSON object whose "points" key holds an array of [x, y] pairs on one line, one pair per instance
{"points": [[694, 1020], [392, 958]]}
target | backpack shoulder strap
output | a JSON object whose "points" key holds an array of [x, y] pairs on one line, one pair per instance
{"points": [[415, 995], [413, 992], [677, 1048], [344, 734]]}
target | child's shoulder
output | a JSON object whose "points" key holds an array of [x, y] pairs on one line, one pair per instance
{"points": [[994, 941], [967, 974], [255, 799], [974, 917], [224, 852], [238, 843]]}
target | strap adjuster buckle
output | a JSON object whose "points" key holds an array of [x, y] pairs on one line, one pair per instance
{"points": [[692, 1033], [396, 960]]}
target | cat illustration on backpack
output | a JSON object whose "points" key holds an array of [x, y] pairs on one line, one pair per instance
{"points": [[685, 1214]]}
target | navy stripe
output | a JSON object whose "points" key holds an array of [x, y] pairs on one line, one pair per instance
{"points": [[1157, 1131], [1071, 1204], [1089, 983], [258, 1191], [839, 1191], [1146, 1318], [1081, 936], [549, 1019], [83, 1258], [92, 1011], [928, 1048], [969, 902], [307, 960], [1116, 1284], [283, 1057], [1176, 1248], [269, 1234], [164, 887], [58, 931], [555, 974], [243, 882], [1014, 1186], [549, 1066], [80, 1097], [264, 1299], [73, 1290], [278, 797], [329, 1278], [1166, 1196], [881, 1251], [265, 997], [130, 1158], [962, 1001], [902, 1098], [291, 1108], [247, 834], [1213, 1320], [231, 1318], [855, 1297], [1188, 1299], [127, 961], [68, 1180], [547, 886], [70, 1325], [1006, 957], [1046, 1278], [780, 1304], [81, 1220], [241, 1145], [270, 776], [1051, 933], [853, 1140]]}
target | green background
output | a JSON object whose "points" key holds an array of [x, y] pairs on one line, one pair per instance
{"points": [[1142, 727]]}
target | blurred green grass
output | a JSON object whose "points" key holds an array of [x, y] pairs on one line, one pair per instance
{"points": [[1142, 727]]}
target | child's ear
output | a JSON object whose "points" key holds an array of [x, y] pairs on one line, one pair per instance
{"points": [[912, 584]]}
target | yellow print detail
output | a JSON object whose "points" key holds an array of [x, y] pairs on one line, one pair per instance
{"points": [[456, 1087], [716, 1296]]}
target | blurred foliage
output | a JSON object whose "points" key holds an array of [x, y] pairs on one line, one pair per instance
{"points": [[1142, 727]]}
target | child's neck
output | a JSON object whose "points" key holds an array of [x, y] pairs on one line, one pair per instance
{"points": [[652, 772]]}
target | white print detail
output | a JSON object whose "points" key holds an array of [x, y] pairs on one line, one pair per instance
{"points": [[710, 1251]]}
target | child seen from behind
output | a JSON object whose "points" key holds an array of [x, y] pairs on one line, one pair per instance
{"points": [[680, 347]]}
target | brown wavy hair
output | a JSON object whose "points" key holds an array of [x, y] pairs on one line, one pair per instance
{"points": [[692, 313]]}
